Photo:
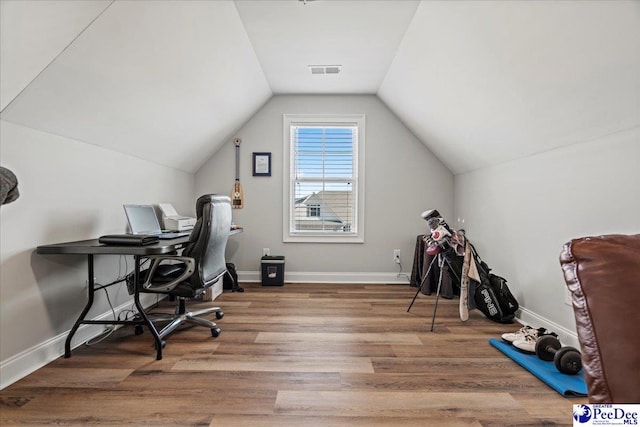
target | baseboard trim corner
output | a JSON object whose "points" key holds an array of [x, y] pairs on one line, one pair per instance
{"points": [[567, 337]]}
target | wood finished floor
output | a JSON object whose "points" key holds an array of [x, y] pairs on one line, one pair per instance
{"points": [[298, 355]]}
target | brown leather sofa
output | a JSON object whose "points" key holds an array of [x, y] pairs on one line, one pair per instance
{"points": [[603, 275]]}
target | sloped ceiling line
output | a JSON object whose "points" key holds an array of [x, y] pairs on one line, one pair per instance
{"points": [[479, 83], [48, 53], [360, 36], [165, 81], [487, 82], [8, 106]]}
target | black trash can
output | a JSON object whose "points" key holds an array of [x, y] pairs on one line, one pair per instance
{"points": [[272, 270]]}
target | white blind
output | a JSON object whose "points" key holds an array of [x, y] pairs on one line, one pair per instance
{"points": [[324, 178]]}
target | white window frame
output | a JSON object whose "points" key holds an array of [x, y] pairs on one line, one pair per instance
{"points": [[288, 235]]}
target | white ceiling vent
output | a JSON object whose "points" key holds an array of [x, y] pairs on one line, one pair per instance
{"points": [[325, 69]]}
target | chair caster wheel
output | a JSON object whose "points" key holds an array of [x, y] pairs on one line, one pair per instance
{"points": [[215, 332], [219, 315], [138, 330]]}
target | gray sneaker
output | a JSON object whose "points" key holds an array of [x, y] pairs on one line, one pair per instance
{"points": [[519, 334]]}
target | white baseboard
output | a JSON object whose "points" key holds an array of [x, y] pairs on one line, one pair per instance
{"points": [[567, 337], [34, 358], [330, 277], [525, 317], [30, 360]]}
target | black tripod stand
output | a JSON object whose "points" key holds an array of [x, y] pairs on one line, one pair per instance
{"points": [[441, 259]]}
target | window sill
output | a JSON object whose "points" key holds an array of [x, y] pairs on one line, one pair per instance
{"points": [[322, 239]]}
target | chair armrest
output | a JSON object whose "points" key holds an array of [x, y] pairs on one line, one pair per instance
{"points": [[164, 287]]}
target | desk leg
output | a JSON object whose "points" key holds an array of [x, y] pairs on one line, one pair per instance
{"points": [[136, 297], [91, 286]]}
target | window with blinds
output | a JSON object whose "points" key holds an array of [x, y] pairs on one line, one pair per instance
{"points": [[324, 178]]}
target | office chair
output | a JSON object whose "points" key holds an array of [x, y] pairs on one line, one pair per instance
{"points": [[201, 265]]}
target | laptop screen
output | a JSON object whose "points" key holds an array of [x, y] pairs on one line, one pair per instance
{"points": [[142, 219]]}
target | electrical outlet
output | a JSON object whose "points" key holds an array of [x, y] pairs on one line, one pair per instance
{"points": [[266, 251], [396, 256]]}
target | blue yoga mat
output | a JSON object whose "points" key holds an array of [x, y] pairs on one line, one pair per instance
{"points": [[566, 385]]}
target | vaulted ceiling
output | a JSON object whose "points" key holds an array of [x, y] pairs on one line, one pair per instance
{"points": [[478, 82]]}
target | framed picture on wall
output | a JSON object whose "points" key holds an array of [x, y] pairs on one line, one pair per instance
{"points": [[261, 164]]}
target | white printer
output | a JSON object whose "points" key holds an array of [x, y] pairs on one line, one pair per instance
{"points": [[173, 221]]}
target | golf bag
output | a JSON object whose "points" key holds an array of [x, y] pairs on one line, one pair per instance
{"points": [[492, 295]]}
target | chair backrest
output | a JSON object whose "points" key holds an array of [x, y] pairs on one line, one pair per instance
{"points": [[209, 239], [602, 274]]}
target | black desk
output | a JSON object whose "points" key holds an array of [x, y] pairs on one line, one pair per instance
{"points": [[93, 247]]}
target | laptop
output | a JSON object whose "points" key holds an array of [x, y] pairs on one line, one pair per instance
{"points": [[143, 221]]}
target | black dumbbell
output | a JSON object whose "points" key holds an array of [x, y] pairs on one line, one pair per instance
{"points": [[566, 359]]}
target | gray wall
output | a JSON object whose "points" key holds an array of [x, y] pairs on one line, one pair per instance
{"points": [[69, 191], [402, 179], [519, 214]]}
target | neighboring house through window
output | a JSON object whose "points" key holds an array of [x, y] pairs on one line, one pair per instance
{"points": [[313, 210], [324, 178]]}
